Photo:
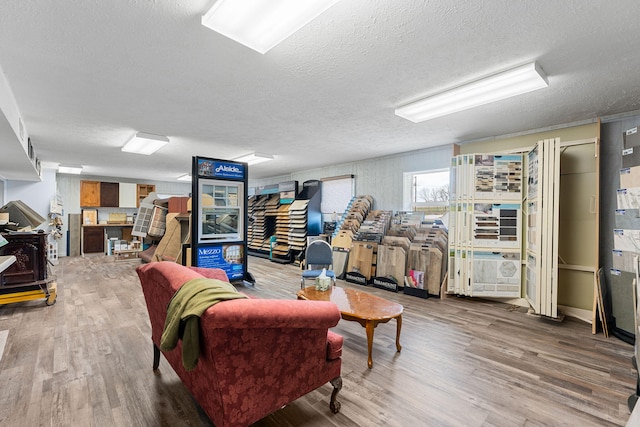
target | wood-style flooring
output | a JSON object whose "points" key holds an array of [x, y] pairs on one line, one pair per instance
{"points": [[86, 361]]}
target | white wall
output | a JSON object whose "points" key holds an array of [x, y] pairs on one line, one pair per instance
{"points": [[35, 194], [9, 107], [381, 178]]}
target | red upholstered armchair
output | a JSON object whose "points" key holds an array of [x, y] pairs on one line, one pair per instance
{"points": [[255, 355]]}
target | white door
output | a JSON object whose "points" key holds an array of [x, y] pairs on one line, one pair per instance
{"points": [[534, 236], [541, 290]]}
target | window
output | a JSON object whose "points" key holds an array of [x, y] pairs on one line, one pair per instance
{"points": [[221, 214], [427, 191]]}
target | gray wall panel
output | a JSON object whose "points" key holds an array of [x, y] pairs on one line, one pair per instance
{"points": [[610, 165], [381, 177]]}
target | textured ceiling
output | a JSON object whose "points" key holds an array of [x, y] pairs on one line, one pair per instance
{"points": [[87, 74]]}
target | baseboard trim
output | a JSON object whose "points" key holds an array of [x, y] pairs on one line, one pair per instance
{"points": [[578, 313]]}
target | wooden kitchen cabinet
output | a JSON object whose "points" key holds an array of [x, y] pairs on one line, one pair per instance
{"points": [[93, 239], [109, 194], [89, 193], [143, 191], [178, 205], [97, 194]]}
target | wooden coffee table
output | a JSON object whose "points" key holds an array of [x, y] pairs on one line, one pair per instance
{"points": [[367, 309]]}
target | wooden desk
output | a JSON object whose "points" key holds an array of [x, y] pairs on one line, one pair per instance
{"points": [[367, 309], [92, 238]]}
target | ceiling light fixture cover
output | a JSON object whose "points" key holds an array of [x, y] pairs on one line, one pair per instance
{"points": [[262, 24], [254, 158], [185, 177], [145, 143], [516, 81], [74, 170]]}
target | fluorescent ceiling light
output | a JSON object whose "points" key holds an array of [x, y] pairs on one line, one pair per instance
{"points": [[145, 143], [262, 24], [185, 177], [509, 83], [254, 158], [74, 170]]}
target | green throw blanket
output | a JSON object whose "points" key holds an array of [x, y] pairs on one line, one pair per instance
{"points": [[184, 311]]}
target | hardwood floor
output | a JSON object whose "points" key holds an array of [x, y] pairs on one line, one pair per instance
{"points": [[86, 361]]}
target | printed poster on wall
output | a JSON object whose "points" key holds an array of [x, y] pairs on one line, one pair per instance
{"points": [[228, 257], [495, 274], [498, 176]]}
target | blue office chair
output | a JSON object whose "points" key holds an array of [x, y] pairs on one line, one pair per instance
{"points": [[318, 255]]}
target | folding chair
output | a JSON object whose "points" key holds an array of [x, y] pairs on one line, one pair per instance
{"points": [[318, 255]]}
